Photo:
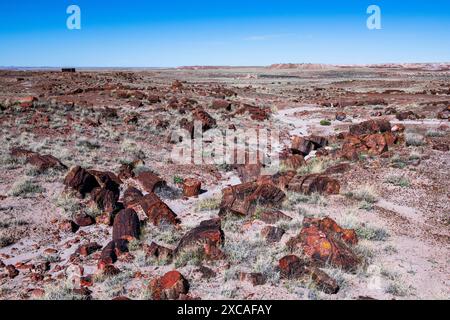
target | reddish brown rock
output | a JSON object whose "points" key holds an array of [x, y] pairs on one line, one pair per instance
{"points": [[158, 252], [84, 220], [177, 85], [27, 102], [272, 234], [407, 115], [150, 181], [88, 248], [255, 278], [80, 180], [376, 143], [293, 162], [12, 271], [242, 199], [131, 197], [322, 280], [291, 267], [157, 211], [339, 168], [323, 248], [249, 172], [301, 146], [205, 118], [256, 113], [206, 239], [191, 187], [126, 225], [398, 128], [441, 147], [41, 162], [106, 200], [108, 256], [169, 287], [220, 104], [330, 226], [314, 183], [370, 127]]}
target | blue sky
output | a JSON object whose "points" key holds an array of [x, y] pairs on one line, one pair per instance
{"points": [[143, 33]]}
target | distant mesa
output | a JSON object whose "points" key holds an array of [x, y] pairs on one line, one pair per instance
{"points": [[68, 70]]}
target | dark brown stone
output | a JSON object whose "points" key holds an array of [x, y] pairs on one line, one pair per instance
{"points": [[272, 234], [80, 180], [126, 225]]}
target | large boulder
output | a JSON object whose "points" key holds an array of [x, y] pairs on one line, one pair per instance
{"points": [[150, 181], [191, 187], [156, 210], [292, 267], [126, 225], [170, 286], [323, 248], [242, 199], [80, 180], [314, 183], [370, 127], [207, 238]]}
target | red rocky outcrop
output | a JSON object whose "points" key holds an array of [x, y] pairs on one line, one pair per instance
{"points": [[171, 286]]}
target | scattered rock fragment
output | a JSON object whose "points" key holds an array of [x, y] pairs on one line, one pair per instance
{"points": [[191, 187], [272, 234], [255, 278], [169, 287]]}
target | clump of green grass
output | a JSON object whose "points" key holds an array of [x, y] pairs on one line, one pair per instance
{"points": [[364, 193], [209, 204], [435, 133], [88, 144], [414, 139], [25, 187], [61, 291], [325, 122], [399, 289], [177, 180], [6, 240], [315, 165], [191, 257], [398, 181], [371, 233], [69, 205]]}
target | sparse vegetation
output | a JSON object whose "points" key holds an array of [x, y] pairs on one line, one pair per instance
{"points": [[398, 181], [209, 204], [364, 193], [24, 187], [414, 139], [325, 122]]}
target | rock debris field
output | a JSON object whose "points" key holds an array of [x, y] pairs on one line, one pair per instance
{"points": [[93, 206]]}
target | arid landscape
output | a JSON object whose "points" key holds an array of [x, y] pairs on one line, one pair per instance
{"points": [[92, 205]]}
